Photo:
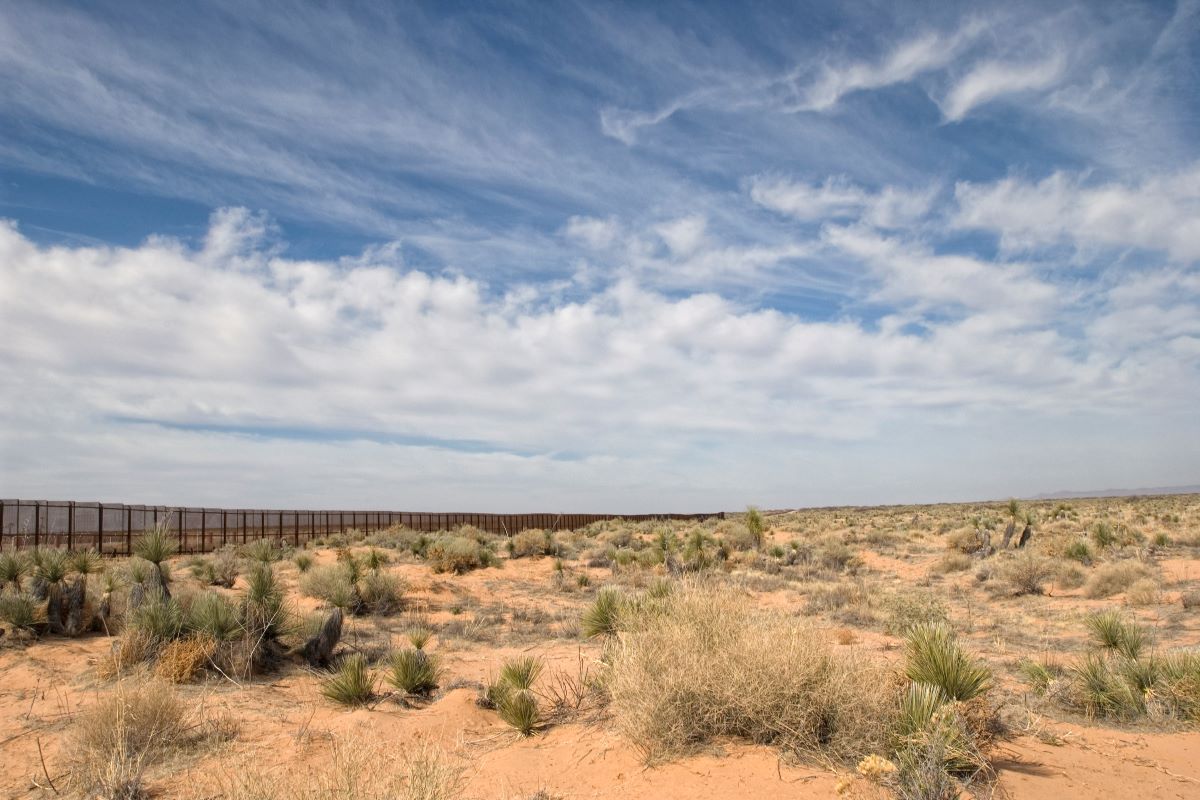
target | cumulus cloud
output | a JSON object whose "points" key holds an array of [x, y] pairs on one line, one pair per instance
{"points": [[1158, 213]]}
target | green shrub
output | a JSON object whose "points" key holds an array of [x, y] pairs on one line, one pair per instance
{"points": [[935, 658], [303, 561], [756, 526], [521, 711], [521, 673], [1039, 674], [14, 566], [1103, 534], [352, 684], [1098, 689], [1079, 551], [264, 551], [332, 583], [159, 618], [532, 542]]}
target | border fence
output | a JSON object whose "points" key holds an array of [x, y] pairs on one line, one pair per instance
{"points": [[110, 528]]}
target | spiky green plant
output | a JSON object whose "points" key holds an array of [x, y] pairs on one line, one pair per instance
{"points": [[917, 707], [415, 671], [754, 523], [213, 615], [159, 617], [352, 684], [18, 610], [1113, 630], [1038, 674], [520, 673], [263, 551], [14, 566], [521, 711], [264, 613], [85, 562], [603, 616], [303, 561], [156, 544], [935, 658], [1099, 689], [52, 565], [1178, 686], [419, 636]]}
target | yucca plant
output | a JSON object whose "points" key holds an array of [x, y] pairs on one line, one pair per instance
{"points": [[918, 706], [415, 671], [376, 559], [263, 551], [935, 658], [352, 684], [603, 616], [303, 561], [18, 610], [419, 636], [14, 566], [519, 674], [754, 523], [1039, 674], [214, 616], [160, 618], [156, 544], [521, 711], [51, 570], [1101, 691], [263, 612], [1112, 630]]}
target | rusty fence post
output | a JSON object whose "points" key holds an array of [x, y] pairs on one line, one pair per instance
{"points": [[100, 527]]}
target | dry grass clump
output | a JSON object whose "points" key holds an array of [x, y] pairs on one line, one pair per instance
{"points": [[1115, 577], [358, 769], [114, 741], [355, 589], [705, 663], [532, 542]]}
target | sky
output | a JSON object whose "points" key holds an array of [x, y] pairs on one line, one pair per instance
{"points": [[597, 257]]}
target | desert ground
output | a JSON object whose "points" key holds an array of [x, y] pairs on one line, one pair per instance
{"points": [[856, 652]]}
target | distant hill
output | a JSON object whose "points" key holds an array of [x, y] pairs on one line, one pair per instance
{"points": [[1064, 495]]}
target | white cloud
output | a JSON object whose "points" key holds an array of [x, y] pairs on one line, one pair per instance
{"points": [[839, 198], [684, 235], [1159, 213], [992, 79], [908, 60]]}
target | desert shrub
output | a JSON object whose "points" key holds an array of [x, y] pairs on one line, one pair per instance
{"points": [[414, 671], [1028, 573], [834, 554], [352, 683], [964, 541], [1040, 675], [953, 562], [1070, 575], [381, 592], [1116, 577], [710, 664], [303, 561], [521, 711], [602, 617], [906, 609], [1190, 599], [1098, 689], [115, 740], [935, 658], [220, 570], [1113, 630], [532, 542], [458, 554], [1142, 592], [333, 583]]}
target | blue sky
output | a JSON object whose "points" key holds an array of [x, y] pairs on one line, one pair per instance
{"points": [[596, 256]]}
